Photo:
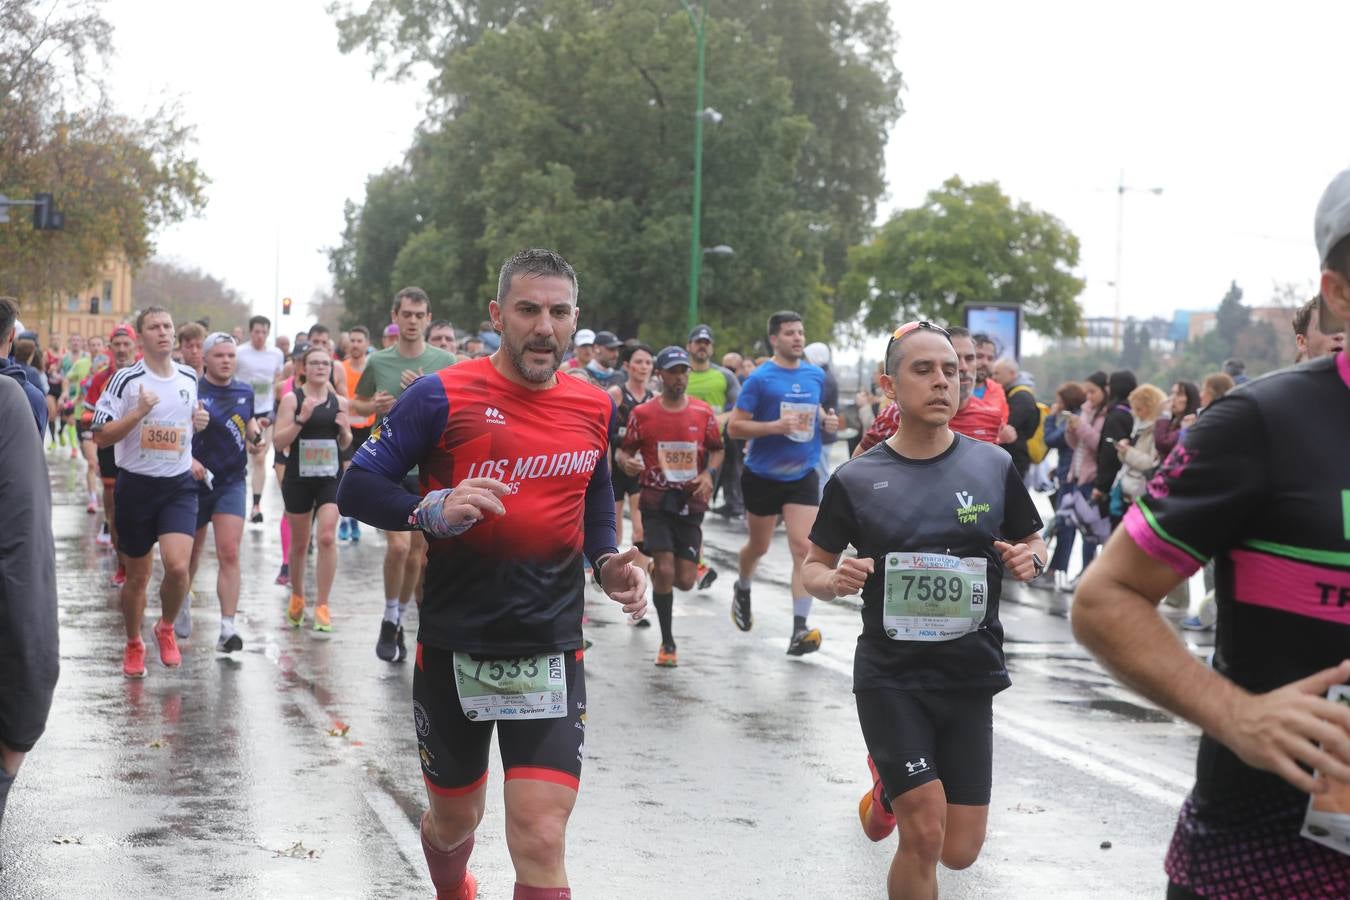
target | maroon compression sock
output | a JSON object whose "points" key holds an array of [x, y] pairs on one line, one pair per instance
{"points": [[447, 866], [525, 892]]}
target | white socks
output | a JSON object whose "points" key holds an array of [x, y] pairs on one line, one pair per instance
{"points": [[393, 612]]}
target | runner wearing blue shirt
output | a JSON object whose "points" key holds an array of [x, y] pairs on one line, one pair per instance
{"points": [[220, 464], [779, 412]]}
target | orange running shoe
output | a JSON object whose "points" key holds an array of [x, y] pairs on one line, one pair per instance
{"points": [[133, 659], [666, 658], [322, 622], [877, 824], [295, 614], [168, 644]]}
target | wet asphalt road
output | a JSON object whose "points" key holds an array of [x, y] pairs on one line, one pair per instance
{"points": [[291, 770]]}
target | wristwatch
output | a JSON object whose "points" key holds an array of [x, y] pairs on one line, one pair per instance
{"points": [[1037, 565]]}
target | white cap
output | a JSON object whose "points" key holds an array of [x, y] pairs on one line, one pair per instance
{"points": [[817, 354], [584, 338]]}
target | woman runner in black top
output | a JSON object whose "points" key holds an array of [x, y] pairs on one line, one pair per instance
{"points": [[637, 360], [312, 428]]}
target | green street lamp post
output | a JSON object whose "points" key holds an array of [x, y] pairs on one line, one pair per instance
{"points": [[695, 251]]}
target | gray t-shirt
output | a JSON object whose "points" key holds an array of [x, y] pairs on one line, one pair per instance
{"points": [[954, 505]]}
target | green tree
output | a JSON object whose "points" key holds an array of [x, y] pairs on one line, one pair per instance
{"points": [[967, 244], [1232, 317], [595, 112], [117, 179]]}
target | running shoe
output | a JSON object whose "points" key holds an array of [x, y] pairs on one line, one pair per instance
{"points": [[386, 648], [104, 537], [356, 531], [168, 647], [92, 508], [182, 623], [322, 622], [877, 824], [706, 576], [740, 609], [468, 888], [284, 576], [295, 613], [402, 647], [120, 576], [803, 642], [644, 622], [665, 657], [342, 529], [1195, 623], [256, 518], [133, 659], [232, 644]]}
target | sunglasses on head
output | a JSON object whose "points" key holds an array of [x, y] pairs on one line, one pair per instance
{"points": [[909, 327]]}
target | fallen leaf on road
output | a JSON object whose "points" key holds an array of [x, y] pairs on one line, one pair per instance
{"points": [[1027, 808], [339, 729], [67, 839], [156, 744], [299, 851]]}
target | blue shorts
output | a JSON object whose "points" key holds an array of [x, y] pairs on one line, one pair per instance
{"points": [[147, 507], [223, 500]]}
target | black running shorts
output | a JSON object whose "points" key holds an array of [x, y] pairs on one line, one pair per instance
{"points": [[454, 750], [766, 497], [673, 533], [916, 737], [305, 495]]}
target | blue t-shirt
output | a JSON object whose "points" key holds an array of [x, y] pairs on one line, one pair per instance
{"points": [[220, 446], [770, 392]]}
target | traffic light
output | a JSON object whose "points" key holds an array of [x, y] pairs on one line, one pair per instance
{"points": [[285, 306], [46, 217]]}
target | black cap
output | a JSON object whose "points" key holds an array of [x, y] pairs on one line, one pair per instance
{"points": [[670, 357], [300, 348], [701, 333], [607, 339]]}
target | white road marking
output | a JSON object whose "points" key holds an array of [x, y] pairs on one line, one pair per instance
{"points": [[406, 837]]}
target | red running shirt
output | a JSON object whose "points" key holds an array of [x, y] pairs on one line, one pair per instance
{"points": [[674, 445]]}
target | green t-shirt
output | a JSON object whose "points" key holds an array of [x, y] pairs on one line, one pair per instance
{"points": [[78, 371], [384, 369], [711, 385]]}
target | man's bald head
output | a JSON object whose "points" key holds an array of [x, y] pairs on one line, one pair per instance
{"points": [[1005, 371]]}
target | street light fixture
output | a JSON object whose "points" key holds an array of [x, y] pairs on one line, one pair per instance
{"points": [[719, 250], [1121, 190], [698, 20]]}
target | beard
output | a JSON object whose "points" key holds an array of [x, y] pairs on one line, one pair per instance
{"points": [[674, 391], [531, 373]]}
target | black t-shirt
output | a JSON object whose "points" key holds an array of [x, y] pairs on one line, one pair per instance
{"points": [[955, 504], [1260, 485]]}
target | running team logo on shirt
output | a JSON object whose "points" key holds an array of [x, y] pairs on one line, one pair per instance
{"points": [[967, 510]]}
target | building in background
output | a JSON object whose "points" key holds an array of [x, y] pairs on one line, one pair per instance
{"points": [[94, 309]]}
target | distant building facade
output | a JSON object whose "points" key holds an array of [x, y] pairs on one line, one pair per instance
{"points": [[94, 310]]}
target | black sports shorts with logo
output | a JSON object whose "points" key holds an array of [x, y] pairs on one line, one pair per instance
{"points": [[454, 749], [916, 737]]}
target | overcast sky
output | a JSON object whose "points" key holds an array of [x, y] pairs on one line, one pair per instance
{"points": [[1238, 119]]}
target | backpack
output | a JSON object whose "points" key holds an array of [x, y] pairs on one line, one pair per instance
{"points": [[1036, 447]]}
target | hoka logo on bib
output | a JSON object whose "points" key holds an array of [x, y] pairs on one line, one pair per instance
{"points": [[967, 510]]}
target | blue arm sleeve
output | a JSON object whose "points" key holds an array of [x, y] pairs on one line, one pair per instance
{"points": [[600, 536], [375, 500], [371, 490]]}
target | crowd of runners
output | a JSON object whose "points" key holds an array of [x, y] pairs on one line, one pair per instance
{"points": [[500, 467]]}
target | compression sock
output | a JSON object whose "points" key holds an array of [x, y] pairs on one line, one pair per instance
{"points": [[525, 892], [665, 604], [285, 538], [447, 867], [257, 499], [391, 610], [743, 583]]}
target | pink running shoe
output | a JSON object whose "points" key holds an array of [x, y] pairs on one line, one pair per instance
{"points": [[168, 645]]}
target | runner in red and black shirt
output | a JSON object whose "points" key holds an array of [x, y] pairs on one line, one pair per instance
{"points": [[515, 477], [1260, 485], [983, 420], [681, 447]]}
